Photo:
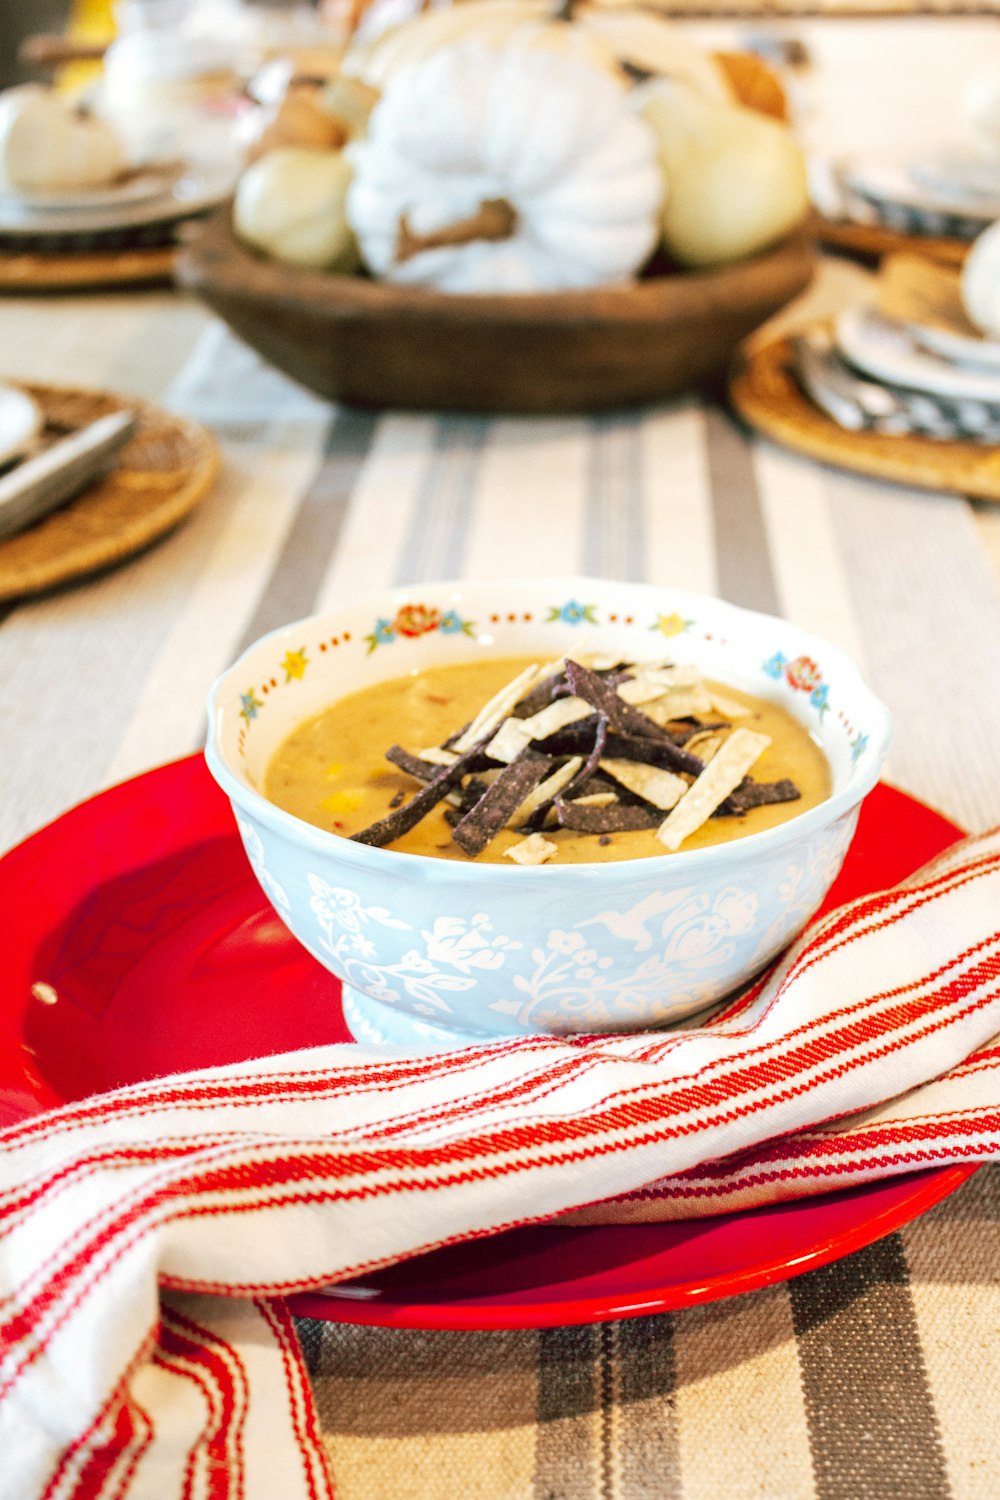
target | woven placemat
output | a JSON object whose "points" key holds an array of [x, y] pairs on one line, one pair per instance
{"points": [[160, 475], [82, 270], [765, 393], [870, 242]]}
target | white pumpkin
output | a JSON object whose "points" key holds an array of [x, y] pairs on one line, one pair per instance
{"points": [[737, 179], [47, 142], [505, 171], [594, 33], [981, 282], [290, 204]]}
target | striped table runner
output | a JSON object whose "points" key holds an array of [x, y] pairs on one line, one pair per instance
{"points": [[873, 1377]]}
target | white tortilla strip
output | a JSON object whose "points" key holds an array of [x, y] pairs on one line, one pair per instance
{"points": [[493, 712], [649, 683], [678, 703], [510, 739], [595, 799], [515, 734], [556, 716], [721, 776], [728, 707], [534, 850], [544, 790], [436, 755], [705, 745], [639, 690], [662, 788]]}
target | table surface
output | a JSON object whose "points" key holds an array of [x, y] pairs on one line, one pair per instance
{"points": [[874, 1377]]}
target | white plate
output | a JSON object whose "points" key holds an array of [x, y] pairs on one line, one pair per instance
{"points": [[190, 193], [151, 182], [20, 420], [959, 174], [959, 349], [887, 351], [896, 186]]}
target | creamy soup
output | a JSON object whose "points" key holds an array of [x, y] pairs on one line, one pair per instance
{"points": [[331, 770]]}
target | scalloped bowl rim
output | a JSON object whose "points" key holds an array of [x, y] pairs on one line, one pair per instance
{"points": [[424, 867]]}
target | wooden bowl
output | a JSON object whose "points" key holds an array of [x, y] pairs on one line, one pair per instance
{"points": [[354, 339]]}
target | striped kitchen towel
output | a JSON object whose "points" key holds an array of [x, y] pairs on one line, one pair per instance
{"points": [[148, 1236]]}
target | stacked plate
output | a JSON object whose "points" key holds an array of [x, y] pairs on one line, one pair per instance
{"points": [[891, 374], [951, 194], [142, 208]]}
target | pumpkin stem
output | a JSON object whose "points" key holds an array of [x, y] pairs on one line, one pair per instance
{"points": [[494, 219], [564, 11]]}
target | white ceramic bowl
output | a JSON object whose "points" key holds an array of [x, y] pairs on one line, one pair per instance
{"points": [[428, 948]]}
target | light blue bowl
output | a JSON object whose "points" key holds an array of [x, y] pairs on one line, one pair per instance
{"points": [[432, 952]]}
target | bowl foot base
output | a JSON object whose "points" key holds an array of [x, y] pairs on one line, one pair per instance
{"points": [[371, 1022]]}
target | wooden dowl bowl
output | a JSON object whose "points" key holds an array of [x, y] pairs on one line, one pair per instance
{"points": [[354, 339]]}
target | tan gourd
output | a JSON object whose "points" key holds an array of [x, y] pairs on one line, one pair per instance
{"points": [[291, 205], [736, 180]]}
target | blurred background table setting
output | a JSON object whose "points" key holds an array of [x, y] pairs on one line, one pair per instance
{"points": [[733, 329]]}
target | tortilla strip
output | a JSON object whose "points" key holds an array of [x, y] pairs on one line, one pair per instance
{"points": [[402, 819], [497, 708], [756, 794], [662, 788], [720, 777], [678, 703], [723, 704], [514, 735], [545, 791], [534, 850], [437, 755], [500, 799], [604, 697], [612, 817], [663, 753]]}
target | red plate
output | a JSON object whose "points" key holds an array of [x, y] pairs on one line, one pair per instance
{"points": [[137, 943]]}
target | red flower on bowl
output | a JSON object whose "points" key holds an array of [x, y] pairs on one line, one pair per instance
{"points": [[416, 619], [803, 673]]}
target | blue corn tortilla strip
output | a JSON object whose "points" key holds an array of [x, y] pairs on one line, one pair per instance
{"points": [[402, 819], [426, 770], [752, 793], [613, 817], [578, 739], [601, 693], [500, 801], [582, 778]]}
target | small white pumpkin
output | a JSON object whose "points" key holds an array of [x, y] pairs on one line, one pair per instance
{"points": [[47, 142], [737, 178], [505, 171], [981, 282], [290, 204]]}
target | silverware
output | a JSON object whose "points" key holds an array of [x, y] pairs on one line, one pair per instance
{"points": [[39, 484]]}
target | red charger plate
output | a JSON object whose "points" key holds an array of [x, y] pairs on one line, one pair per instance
{"points": [[138, 943]]}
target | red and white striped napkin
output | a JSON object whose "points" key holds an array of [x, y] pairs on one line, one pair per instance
{"points": [[147, 1236]]}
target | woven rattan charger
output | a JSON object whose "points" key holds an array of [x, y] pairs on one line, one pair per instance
{"points": [[157, 478], [765, 393]]}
